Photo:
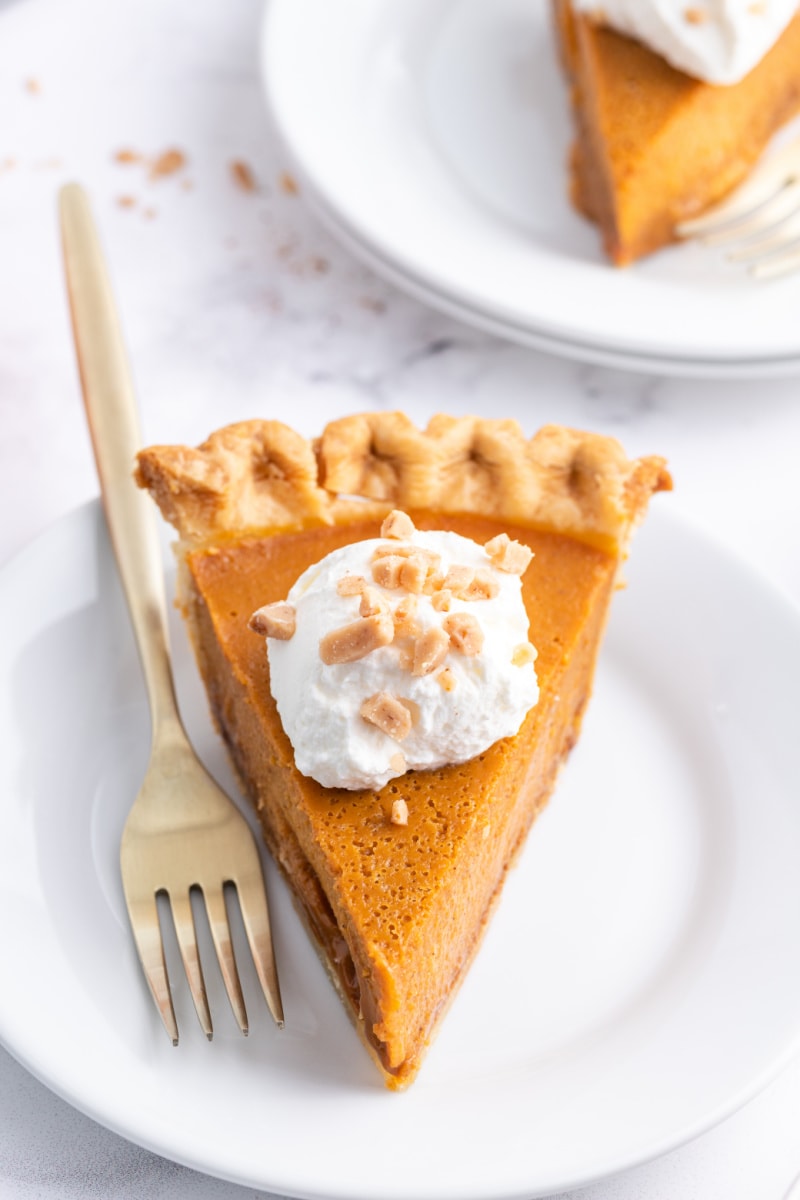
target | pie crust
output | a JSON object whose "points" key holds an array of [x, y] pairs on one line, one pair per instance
{"points": [[261, 475]]}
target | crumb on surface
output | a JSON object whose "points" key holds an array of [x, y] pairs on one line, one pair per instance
{"points": [[167, 163], [372, 304], [243, 176]]}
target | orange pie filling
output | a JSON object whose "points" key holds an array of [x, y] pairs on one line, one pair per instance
{"points": [[431, 883]]}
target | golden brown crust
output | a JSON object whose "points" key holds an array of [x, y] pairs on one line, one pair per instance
{"points": [[251, 475], [261, 475]]}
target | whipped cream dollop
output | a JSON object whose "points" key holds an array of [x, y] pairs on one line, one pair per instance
{"points": [[718, 41], [399, 653]]}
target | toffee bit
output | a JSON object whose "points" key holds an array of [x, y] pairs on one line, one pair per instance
{"points": [[464, 632], [458, 579], [433, 582], [372, 602], [441, 600], [397, 525], [356, 640], [430, 651], [447, 679], [399, 812], [406, 623], [351, 585], [523, 654], [277, 620], [389, 714], [413, 573], [386, 571], [484, 586], [507, 555], [402, 548]]}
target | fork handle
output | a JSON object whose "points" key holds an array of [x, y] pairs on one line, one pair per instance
{"points": [[110, 402]]}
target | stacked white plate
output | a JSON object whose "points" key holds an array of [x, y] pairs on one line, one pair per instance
{"points": [[433, 135]]}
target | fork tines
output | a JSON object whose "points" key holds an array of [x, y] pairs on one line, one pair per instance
{"points": [[147, 925], [760, 222]]}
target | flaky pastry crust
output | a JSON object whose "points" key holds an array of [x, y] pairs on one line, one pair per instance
{"points": [[260, 476]]}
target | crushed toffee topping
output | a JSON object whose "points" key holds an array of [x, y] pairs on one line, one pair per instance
{"points": [[275, 620]]}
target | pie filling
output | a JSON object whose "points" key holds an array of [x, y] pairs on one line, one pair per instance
{"points": [[397, 911]]}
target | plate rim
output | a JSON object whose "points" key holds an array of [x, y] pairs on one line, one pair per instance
{"points": [[587, 352]]}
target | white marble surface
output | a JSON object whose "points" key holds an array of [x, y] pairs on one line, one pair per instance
{"points": [[237, 303]]}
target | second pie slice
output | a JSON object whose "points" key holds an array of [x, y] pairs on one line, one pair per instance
{"points": [[654, 146], [396, 883]]}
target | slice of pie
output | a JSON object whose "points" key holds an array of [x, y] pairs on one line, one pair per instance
{"points": [[397, 909], [655, 146]]}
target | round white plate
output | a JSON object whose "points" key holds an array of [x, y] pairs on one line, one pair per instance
{"points": [[640, 979], [433, 136]]}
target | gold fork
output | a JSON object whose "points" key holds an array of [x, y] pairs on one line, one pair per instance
{"points": [[759, 224], [183, 833]]}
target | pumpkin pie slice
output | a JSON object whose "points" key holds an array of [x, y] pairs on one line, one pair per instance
{"points": [[396, 884], [655, 146]]}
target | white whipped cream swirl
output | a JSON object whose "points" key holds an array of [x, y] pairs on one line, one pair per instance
{"points": [[718, 41], [320, 704]]}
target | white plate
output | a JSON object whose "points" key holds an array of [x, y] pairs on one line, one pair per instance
{"points": [[433, 136], [640, 979]]}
